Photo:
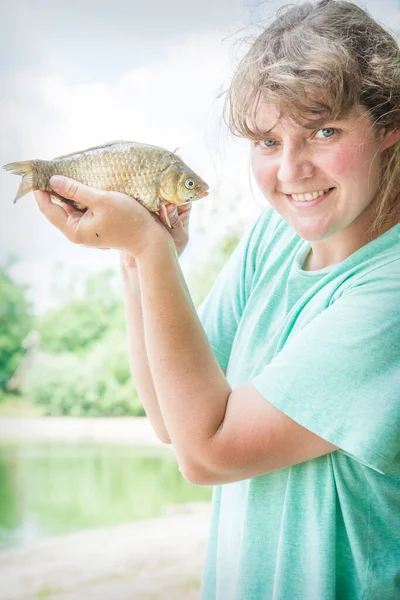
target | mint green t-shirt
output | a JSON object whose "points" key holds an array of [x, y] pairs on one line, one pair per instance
{"points": [[324, 348]]}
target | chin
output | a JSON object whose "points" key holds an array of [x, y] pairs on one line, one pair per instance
{"points": [[313, 236], [312, 232]]}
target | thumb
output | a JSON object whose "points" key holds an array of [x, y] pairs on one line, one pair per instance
{"points": [[74, 190]]}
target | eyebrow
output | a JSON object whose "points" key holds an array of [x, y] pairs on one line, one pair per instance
{"points": [[314, 124]]}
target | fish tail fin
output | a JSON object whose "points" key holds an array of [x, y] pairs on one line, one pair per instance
{"points": [[26, 169]]}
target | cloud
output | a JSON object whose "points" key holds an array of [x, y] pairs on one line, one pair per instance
{"points": [[168, 97], [171, 103]]}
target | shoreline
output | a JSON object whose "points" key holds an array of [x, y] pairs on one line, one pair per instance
{"points": [[110, 430], [150, 559], [157, 559]]}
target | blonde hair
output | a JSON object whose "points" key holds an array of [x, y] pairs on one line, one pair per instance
{"points": [[324, 58]]}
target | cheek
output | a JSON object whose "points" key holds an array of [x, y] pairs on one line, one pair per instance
{"points": [[340, 162], [347, 160], [263, 173]]}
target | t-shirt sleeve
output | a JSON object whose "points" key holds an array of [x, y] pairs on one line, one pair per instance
{"points": [[339, 376], [221, 311]]}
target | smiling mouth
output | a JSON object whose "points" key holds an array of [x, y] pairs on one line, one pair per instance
{"points": [[309, 196]]}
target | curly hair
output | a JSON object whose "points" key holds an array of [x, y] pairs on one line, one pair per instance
{"points": [[324, 58]]}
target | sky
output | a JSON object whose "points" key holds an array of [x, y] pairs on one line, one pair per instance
{"points": [[78, 74]]}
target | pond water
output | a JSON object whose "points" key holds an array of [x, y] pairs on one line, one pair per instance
{"points": [[56, 489]]}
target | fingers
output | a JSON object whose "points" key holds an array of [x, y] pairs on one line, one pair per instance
{"points": [[74, 190], [181, 212], [173, 216], [67, 208], [53, 212], [178, 216], [184, 212], [65, 220], [184, 208], [179, 219]]}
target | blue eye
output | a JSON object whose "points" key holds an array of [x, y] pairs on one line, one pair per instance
{"points": [[267, 143], [329, 130]]}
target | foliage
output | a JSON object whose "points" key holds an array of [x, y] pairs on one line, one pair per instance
{"points": [[16, 407], [80, 322], [203, 278], [74, 327], [15, 323], [95, 384], [82, 368]]}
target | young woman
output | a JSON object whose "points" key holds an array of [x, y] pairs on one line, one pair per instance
{"points": [[285, 393]]}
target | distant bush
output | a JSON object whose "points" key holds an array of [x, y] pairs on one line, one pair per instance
{"points": [[95, 384], [80, 322], [72, 328], [202, 279], [82, 368], [15, 323]]}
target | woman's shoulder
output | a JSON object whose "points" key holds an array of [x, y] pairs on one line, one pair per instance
{"points": [[372, 274], [379, 260]]}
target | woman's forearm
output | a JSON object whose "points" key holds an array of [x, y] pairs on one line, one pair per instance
{"points": [[191, 388], [139, 363]]}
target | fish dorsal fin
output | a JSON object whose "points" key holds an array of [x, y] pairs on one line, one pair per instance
{"points": [[93, 148]]}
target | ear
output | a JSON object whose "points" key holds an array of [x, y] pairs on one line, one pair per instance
{"points": [[389, 138]]}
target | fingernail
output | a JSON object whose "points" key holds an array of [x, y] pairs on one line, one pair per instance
{"points": [[57, 180]]}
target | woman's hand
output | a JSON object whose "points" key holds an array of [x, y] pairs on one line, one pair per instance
{"points": [[112, 219], [179, 218]]}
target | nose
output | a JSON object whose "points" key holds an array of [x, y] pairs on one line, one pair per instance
{"points": [[294, 165]]}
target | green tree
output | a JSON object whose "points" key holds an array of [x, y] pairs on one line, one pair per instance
{"points": [[80, 322], [16, 321], [83, 367], [203, 278], [95, 384]]}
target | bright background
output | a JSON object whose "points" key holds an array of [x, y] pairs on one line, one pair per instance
{"points": [[79, 73]]}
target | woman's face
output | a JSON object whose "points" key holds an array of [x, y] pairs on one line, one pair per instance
{"points": [[339, 163]]}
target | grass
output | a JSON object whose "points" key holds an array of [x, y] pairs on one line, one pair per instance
{"points": [[46, 591], [191, 584], [19, 407]]}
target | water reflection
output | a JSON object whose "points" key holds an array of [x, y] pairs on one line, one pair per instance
{"points": [[54, 489]]}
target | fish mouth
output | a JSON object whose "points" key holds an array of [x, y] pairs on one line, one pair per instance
{"points": [[195, 198]]}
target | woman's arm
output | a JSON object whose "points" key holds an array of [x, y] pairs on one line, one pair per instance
{"points": [[191, 388], [138, 361], [139, 364], [219, 434]]}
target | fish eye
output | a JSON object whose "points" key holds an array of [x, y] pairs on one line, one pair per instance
{"points": [[189, 183]]}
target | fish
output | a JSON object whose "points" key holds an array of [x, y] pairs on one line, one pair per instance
{"points": [[153, 176]]}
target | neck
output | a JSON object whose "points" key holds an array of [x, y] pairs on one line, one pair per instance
{"points": [[341, 245]]}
